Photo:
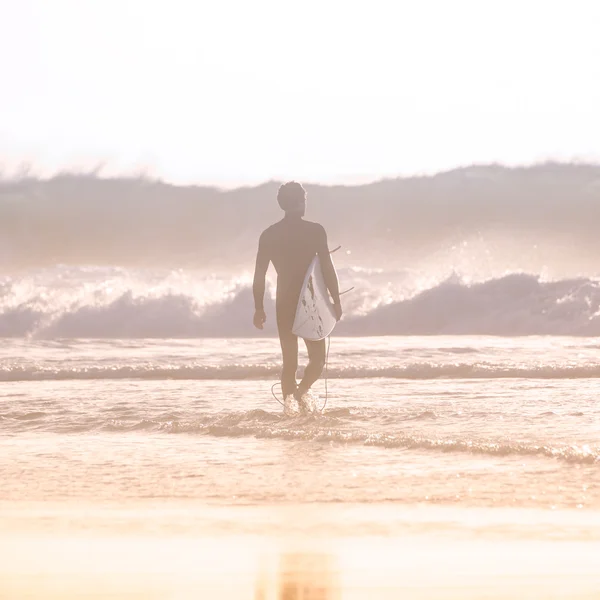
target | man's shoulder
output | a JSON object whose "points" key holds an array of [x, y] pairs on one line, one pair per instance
{"points": [[276, 229], [315, 227], [270, 230]]}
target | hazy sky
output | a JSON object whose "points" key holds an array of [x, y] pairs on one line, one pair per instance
{"points": [[233, 91]]}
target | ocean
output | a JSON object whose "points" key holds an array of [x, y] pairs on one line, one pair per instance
{"points": [[143, 454]]}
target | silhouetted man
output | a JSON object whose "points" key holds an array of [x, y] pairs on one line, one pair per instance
{"points": [[291, 244]]}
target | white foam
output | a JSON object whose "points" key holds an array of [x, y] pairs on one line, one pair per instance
{"points": [[66, 302]]}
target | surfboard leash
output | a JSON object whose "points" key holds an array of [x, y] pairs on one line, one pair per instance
{"points": [[277, 383], [326, 372]]}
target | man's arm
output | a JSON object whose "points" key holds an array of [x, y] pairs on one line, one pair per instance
{"points": [[258, 285], [329, 274]]}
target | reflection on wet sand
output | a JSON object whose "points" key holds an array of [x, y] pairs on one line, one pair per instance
{"points": [[299, 576]]}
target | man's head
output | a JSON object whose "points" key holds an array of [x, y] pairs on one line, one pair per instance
{"points": [[292, 198]]}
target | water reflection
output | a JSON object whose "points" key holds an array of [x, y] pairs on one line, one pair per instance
{"points": [[299, 576]]}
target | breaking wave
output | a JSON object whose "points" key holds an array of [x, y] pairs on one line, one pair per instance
{"points": [[236, 372], [335, 425], [119, 303], [478, 250], [488, 218], [517, 304]]}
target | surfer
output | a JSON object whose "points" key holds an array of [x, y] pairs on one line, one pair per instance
{"points": [[291, 244]]}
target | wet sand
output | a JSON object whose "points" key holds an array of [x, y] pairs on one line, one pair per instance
{"points": [[306, 552]]}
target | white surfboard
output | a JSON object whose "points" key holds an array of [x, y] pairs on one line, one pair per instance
{"points": [[315, 318]]}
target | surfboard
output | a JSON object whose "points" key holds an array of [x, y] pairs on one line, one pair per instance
{"points": [[315, 318]]}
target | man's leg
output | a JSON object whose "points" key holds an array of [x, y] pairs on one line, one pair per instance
{"points": [[316, 362], [289, 352]]}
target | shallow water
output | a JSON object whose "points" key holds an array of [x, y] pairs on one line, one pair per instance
{"points": [[450, 420]]}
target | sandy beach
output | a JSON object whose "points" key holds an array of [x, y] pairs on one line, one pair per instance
{"points": [[313, 552]]}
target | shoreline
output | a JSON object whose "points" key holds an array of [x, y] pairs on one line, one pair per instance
{"points": [[320, 520]]}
